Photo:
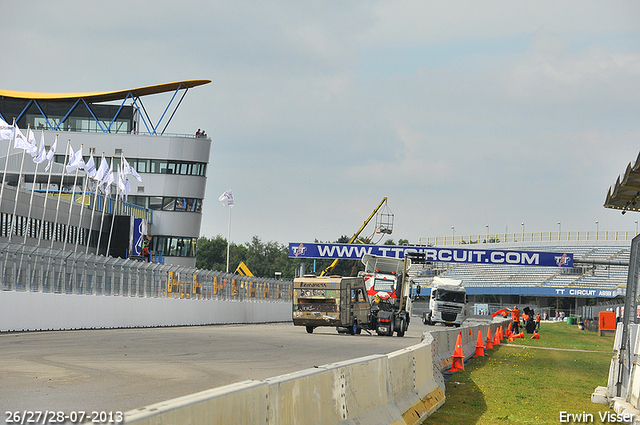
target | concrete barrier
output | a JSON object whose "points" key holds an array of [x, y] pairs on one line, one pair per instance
{"points": [[20, 311], [241, 403], [624, 400], [403, 387]]}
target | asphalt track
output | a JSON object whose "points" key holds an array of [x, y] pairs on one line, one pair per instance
{"points": [[123, 369]]}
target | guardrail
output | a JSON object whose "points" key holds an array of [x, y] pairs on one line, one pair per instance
{"points": [[589, 235], [403, 387]]}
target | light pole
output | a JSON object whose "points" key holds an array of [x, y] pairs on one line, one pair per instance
{"points": [[487, 226], [453, 231], [597, 229], [636, 227], [559, 229]]}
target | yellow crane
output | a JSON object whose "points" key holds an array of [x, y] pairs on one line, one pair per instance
{"points": [[385, 227]]}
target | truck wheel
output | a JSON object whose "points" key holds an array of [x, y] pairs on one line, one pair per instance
{"points": [[309, 329], [401, 330]]}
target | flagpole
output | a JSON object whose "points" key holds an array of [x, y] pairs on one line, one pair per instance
{"points": [[46, 194], [104, 207], [93, 211], [15, 201], [84, 189], [6, 162], [228, 237], [73, 196], [64, 167], [33, 186], [115, 209]]}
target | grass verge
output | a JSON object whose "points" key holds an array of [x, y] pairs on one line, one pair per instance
{"points": [[522, 384]]}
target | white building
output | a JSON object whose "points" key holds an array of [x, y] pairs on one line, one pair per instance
{"points": [[173, 170]]}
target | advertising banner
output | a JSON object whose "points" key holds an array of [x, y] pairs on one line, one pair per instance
{"points": [[475, 255]]}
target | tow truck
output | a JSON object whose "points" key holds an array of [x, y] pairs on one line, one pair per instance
{"points": [[389, 285]]}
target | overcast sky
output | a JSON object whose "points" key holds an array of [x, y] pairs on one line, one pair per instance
{"points": [[462, 113]]}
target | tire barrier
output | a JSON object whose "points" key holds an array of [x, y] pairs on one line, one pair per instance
{"points": [[403, 387]]}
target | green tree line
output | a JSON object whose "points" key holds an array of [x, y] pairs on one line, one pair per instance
{"points": [[264, 259]]}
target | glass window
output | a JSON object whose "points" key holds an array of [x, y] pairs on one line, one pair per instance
{"points": [[143, 166], [181, 204], [171, 168], [155, 202], [168, 204], [139, 200]]}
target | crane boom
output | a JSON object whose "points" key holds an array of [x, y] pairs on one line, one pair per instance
{"points": [[354, 237]]}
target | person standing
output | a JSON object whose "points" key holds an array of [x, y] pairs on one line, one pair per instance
{"points": [[515, 319]]}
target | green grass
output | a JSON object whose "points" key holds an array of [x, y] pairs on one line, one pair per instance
{"points": [[520, 384]]}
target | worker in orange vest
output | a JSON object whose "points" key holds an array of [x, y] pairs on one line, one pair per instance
{"points": [[538, 322], [515, 319]]}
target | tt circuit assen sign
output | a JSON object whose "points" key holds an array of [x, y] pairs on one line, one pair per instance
{"points": [[444, 255]]}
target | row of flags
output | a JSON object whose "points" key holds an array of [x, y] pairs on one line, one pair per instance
{"points": [[101, 178], [103, 175]]}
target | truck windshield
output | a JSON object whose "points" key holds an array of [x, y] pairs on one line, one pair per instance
{"points": [[454, 297], [385, 285]]}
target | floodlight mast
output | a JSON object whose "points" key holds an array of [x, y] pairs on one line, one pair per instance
{"points": [[355, 236]]}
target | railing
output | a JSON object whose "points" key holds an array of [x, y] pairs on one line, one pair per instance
{"points": [[24, 268], [589, 235]]}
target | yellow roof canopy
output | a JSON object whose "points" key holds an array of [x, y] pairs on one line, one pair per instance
{"points": [[107, 96]]}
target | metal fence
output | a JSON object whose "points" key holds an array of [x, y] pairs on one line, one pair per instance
{"points": [[24, 268], [525, 237]]}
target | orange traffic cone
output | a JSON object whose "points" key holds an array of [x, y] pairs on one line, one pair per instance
{"points": [[535, 335], [479, 345], [521, 335], [496, 340], [512, 338], [489, 343], [458, 356], [501, 333]]}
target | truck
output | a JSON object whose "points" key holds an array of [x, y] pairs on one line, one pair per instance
{"points": [[447, 302], [388, 284], [331, 301]]}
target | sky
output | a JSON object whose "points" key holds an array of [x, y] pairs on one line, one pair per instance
{"points": [[464, 114]]}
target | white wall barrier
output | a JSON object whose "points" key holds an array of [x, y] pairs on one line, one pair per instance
{"points": [[626, 399], [403, 387], [49, 311]]}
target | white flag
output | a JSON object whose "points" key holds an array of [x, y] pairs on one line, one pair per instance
{"points": [[123, 184], [107, 180], [75, 160], [6, 130], [128, 169], [103, 169], [42, 154], [51, 153], [226, 198], [23, 142], [90, 167]]}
